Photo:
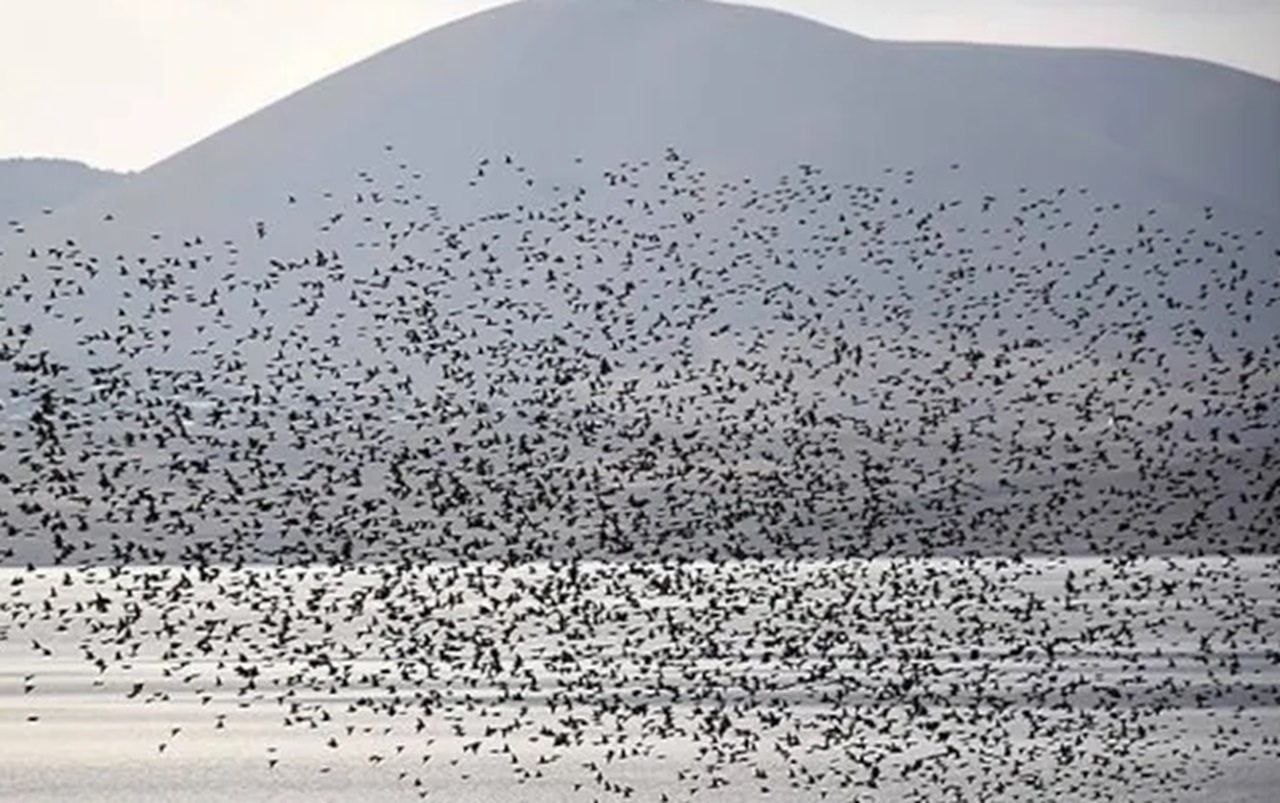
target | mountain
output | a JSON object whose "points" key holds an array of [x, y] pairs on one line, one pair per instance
{"points": [[30, 187], [666, 278], [621, 79]]}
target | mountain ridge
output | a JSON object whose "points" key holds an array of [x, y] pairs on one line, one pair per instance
{"points": [[31, 186], [731, 91]]}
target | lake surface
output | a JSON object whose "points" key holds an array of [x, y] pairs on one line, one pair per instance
{"points": [[893, 679]]}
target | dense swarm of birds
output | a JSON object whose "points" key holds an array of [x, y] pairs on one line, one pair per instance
{"points": [[769, 482]]}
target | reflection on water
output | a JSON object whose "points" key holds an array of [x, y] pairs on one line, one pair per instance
{"points": [[894, 679]]}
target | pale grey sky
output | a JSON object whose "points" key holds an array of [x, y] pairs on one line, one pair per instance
{"points": [[124, 83]]}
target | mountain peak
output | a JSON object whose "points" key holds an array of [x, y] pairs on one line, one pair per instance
{"points": [[745, 90]]}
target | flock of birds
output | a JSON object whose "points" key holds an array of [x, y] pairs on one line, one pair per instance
{"points": [[604, 466]]}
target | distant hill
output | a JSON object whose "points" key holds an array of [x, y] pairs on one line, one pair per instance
{"points": [[30, 187], [611, 80]]}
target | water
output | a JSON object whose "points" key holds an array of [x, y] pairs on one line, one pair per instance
{"points": [[896, 679]]}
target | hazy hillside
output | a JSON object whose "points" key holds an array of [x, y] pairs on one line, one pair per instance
{"points": [[29, 187], [547, 80], [631, 278]]}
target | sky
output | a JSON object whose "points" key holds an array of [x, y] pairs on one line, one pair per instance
{"points": [[123, 83]]}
